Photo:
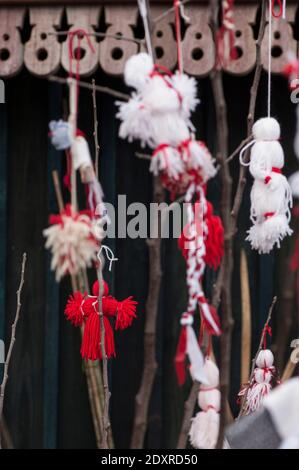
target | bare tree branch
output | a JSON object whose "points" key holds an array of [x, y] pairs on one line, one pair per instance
{"points": [[101, 89], [95, 131], [13, 337]]}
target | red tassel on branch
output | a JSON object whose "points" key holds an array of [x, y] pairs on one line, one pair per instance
{"points": [[91, 343]]}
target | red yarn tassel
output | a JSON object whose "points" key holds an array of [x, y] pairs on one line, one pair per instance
{"points": [[91, 347], [180, 357], [73, 310], [126, 312], [207, 326], [215, 240]]}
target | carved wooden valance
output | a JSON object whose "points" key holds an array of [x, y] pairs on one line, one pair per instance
{"points": [[43, 52]]}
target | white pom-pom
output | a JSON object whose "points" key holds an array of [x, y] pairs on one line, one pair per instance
{"points": [[137, 69], [197, 157], [209, 399], [204, 430], [262, 376], [266, 129], [187, 88], [205, 426], [72, 241], [265, 358], [265, 235]]}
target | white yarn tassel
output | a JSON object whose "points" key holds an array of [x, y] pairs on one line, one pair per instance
{"points": [[195, 356], [205, 425], [167, 159], [262, 381], [271, 197]]}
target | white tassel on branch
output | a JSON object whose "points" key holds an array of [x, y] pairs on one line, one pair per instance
{"points": [[262, 381], [205, 425], [271, 197]]}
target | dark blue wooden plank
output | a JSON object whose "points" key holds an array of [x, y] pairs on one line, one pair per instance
{"points": [[51, 355]]}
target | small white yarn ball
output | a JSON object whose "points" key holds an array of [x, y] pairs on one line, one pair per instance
{"points": [[267, 129], [137, 69], [265, 358]]}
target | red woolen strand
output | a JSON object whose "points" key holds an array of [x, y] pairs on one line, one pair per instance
{"points": [[96, 291], [180, 357], [215, 239], [91, 347], [210, 330], [73, 310], [109, 306], [126, 312]]}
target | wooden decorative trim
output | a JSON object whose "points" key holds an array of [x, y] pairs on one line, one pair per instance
{"points": [[43, 54]]}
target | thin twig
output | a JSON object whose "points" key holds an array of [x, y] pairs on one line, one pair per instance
{"points": [[142, 399], [143, 156], [105, 417], [101, 35], [264, 332], [251, 113], [227, 263], [13, 337], [239, 148], [101, 89], [95, 132]]}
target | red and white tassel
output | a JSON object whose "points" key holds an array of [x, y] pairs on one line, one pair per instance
{"points": [[205, 425], [72, 240], [262, 382], [225, 40], [188, 348], [271, 197]]}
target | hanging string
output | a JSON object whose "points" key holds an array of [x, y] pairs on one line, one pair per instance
{"points": [[270, 56], [266, 331], [281, 11], [177, 10], [144, 15], [109, 255]]}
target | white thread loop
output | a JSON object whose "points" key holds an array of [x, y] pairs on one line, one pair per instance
{"points": [[109, 255], [284, 9], [252, 142], [269, 58], [182, 12], [144, 15]]}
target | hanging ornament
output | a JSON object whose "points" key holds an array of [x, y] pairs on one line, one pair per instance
{"points": [[205, 425], [261, 384], [84, 309], [271, 197], [72, 240], [225, 39], [201, 243]]}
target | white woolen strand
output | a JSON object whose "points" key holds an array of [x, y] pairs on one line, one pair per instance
{"points": [[272, 197], [205, 425], [161, 107], [196, 156], [72, 245], [169, 161], [262, 378]]}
